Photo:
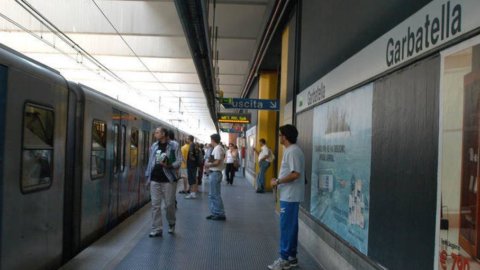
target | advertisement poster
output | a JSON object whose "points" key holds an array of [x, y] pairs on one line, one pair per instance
{"points": [[250, 154], [459, 168], [342, 134]]}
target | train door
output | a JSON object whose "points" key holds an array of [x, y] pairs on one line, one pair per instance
{"points": [[116, 139], [134, 166], [143, 191], [32, 186], [95, 176], [123, 168]]}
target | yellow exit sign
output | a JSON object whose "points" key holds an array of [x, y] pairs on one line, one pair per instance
{"points": [[239, 118]]}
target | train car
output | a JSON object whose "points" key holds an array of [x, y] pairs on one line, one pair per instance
{"points": [[77, 169], [33, 131]]}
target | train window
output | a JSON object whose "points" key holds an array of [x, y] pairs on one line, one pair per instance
{"points": [[37, 148], [98, 150], [115, 148], [122, 148], [134, 148]]}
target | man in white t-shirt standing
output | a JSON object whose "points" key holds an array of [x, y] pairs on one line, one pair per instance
{"points": [[291, 187], [263, 163], [216, 166]]}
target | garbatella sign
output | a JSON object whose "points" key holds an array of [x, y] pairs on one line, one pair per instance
{"points": [[436, 28], [436, 24]]}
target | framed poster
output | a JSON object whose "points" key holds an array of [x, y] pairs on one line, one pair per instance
{"points": [[459, 165], [340, 193]]}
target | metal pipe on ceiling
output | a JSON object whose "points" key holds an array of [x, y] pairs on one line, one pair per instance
{"points": [[192, 15]]}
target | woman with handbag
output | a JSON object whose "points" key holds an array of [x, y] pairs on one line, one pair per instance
{"points": [[232, 162]]}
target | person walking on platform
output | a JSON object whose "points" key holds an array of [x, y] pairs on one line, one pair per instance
{"points": [[193, 160], [200, 165], [263, 163], [183, 169], [171, 137], [231, 159], [164, 160], [291, 187], [215, 165]]}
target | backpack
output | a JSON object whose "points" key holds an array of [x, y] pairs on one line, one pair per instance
{"points": [[194, 155]]}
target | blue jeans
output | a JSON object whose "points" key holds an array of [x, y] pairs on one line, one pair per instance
{"points": [[214, 196], [261, 175], [288, 229]]}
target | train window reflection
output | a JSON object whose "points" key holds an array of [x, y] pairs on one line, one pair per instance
{"points": [[98, 151], [37, 148], [134, 148]]}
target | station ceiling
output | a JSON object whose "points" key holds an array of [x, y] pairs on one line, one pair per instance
{"points": [[128, 48], [133, 48]]}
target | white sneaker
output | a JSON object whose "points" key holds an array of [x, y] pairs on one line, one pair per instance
{"points": [[191, 196], [155, 234], [279, 264], [171, 229], [293, 261]]}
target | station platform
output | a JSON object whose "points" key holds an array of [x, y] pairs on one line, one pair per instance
{"points": [[248, 239]]}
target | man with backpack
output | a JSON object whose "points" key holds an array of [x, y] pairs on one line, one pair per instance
{"points": [[193, 159]]}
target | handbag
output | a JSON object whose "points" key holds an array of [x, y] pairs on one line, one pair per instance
{"points": [[236, 163]]}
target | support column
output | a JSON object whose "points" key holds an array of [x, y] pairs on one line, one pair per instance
{"points": [[283, 91], [267, 120]]}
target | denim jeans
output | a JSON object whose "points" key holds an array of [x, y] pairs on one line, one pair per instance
{"points": [[288, 229], [261, 175], [214, 196]]}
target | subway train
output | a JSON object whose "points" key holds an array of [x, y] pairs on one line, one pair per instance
{"points": [[72, 163]]}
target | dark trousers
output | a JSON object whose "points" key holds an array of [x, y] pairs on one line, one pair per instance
{"points": [[230, 172]]}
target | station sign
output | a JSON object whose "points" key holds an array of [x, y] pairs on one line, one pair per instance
{"points": [[238, 118], [250, 104]]}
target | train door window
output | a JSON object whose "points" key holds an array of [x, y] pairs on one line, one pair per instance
{"points": [[98, 150], [134, 148], [37, 148], [122, 148], [115, 148]]}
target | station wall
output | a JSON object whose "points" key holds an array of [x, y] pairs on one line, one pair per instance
{"points": [[377, 184]]}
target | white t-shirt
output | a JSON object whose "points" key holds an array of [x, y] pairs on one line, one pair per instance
{"points": [[264, 152], [293, 161], [218, 154], [229, 158]]}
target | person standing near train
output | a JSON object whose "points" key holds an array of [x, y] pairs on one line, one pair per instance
{"points": [[163, 162]]}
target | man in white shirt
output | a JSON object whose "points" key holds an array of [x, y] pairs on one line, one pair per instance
{"points": [[215, 164], [263, 163], [291, 187]]}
